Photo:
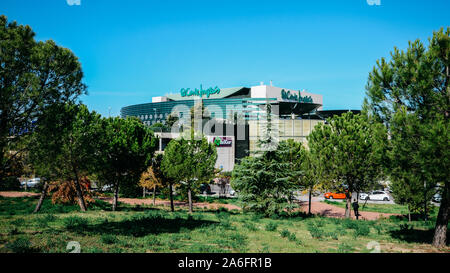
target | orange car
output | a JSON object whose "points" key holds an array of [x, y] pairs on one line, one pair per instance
{"points": [[333, 195]]}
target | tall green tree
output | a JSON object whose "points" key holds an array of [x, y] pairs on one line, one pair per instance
{"points": [[349, 153], [33, 76], [190, 161], [312, 172], [266, 181], [65, 144], [411, 95], [127, 147]]}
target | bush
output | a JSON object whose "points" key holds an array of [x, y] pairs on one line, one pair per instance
{"points": [[271, 226], [285, 233]]}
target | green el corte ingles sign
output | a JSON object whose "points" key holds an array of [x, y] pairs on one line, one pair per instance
{"points": [[187, 92], [290, 96]]}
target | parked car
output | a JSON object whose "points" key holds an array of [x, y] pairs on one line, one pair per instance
{"points": [[334, 195], [437, 198], [363, 196], [376, 195], [31, 183], [205, 188]]}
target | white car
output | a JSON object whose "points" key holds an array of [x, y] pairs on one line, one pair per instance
{"points": [[375, 195], [31, 183]]}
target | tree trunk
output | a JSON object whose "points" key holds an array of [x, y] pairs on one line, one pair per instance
{"points": [[171, 197], [79, 192], [143, 192], [440, 232], [309, 203], [154, 195], [409, 214], [348, 205], [41, 199], [116, 196], [190, 200], [425, 214]]}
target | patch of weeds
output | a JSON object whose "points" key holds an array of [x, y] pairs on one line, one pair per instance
{"points": [[201, 248], [94, 250], [115, 250], [21, 245], [75, 223], [250, 226], [13, 231], [271, 226], [18, 222], [174, 245], [152, 240], [109, 239], [340, 231], [265, 249], [362, 230], [378, 228], [256, 217], [315, 231], [285, 233], [43, 221], [350, 224], [345, 248]]}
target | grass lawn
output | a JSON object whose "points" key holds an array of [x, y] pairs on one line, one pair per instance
{"points": [[382, 208], [155, 229]]}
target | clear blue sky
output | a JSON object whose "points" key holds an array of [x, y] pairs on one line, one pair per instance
{"points": [[133, 50]]}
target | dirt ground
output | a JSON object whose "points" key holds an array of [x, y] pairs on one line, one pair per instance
{"points": [[17, 194], [323, 209], [135, 201], [337, 212]]}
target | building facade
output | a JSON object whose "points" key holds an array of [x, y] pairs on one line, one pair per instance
{"points": [[233, 118]]}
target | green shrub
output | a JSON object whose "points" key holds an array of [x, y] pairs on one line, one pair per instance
{"points": [[285, 233], [271, 226]]}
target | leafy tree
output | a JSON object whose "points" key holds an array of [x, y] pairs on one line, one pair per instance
{"points": [[127, 147], [171, 119], [349, 153], [190, 161], [34, 76], [410, 94], [266, 181], [64, 146], [313, 172], [153, 177]]}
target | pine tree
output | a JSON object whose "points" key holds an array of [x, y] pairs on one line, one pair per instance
{"points": [[266, 181]]}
